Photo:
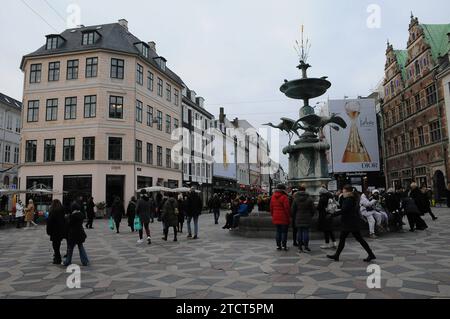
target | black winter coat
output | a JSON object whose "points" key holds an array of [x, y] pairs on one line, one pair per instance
{"points": [[194, 205], [131, 213], [145, 209], [76, 234], [90, 209], [421, 200], [56, 224], [117, 212], [303, 209], [350, 217]]}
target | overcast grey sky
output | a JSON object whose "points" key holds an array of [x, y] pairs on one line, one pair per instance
{"points": [[235, 53]]}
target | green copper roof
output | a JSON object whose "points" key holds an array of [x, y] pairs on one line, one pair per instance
{"points": [[436, 37], [402, 56]]}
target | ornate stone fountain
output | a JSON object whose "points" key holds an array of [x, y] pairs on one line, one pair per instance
{"points": [[308, 163]]}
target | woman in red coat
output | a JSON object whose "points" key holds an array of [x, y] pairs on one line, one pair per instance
{"points": [[281, 218]]}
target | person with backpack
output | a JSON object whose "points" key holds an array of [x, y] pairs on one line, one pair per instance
{"points": [[281, 211], [169, 216], [350, 219], [327, 207]]}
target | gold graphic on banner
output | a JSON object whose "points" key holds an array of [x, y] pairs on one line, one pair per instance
{"points": [[355, 152]]}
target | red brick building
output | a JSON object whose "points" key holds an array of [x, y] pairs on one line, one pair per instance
{"points": [[415, 126]]}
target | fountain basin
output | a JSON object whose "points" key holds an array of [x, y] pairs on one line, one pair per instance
{"points": [[305, 88]]}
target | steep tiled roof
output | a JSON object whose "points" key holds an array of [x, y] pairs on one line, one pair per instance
{"points": [[114, 37], [436, 37], [10, 101], [402, 56]]}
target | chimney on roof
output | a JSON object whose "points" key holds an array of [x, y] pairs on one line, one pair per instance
{"points": [[124, 23], [222, 115], [152, 45], [193, 96], [201, 102]]}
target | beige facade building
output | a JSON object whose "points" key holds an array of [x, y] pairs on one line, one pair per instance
{"points": [[100, 106]]}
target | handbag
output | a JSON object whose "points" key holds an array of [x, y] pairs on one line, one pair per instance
{"points": [[137, 223], [111, 223]]}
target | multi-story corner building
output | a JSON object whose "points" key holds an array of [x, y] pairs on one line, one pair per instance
{"points": [[10, 127], [197, 147], [415, 126], [100, 106], [251, 154]]}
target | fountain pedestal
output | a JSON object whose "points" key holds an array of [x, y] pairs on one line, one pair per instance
{"points": [[308, 164]]}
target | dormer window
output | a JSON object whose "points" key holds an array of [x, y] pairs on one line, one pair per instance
{"points": [[90, 37], [143, 48], [161, 61], [54, 42]]}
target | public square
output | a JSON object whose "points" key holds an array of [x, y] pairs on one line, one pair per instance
{"points": [[222, 265]]}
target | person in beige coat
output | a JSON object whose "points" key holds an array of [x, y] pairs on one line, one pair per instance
{"points": [[29, 214]]}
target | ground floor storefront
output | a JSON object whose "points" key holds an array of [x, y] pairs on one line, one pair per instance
{"points": [[104, 182], [432, 176]]}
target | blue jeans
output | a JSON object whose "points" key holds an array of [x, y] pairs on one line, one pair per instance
{"points": [[189, 219], [303, 236], [83, 255], [282, 235], [216, 212]]}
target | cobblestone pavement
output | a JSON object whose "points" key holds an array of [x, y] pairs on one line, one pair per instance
{"points": [[223, 265]]}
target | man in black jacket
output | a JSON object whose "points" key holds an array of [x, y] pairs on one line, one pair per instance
{"points": [[350, 219], [193, 211]]}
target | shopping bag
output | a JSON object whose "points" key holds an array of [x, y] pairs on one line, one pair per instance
{"points": [[111, 223], [137, 223]]}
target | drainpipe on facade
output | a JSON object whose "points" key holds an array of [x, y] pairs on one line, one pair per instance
{"points": [[440, 126]]}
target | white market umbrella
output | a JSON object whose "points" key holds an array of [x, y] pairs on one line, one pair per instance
{"points": [[156, 189]]}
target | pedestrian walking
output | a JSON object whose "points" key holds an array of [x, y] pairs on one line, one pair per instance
{"points": [[193, 211], [19, 214], [181, 212], [350, 219], [326, 207], [304, 209], [426, 198], [145, 209], [90, 212], [56, 229], [117, 212], [131, 213], [30, 210], [214, 205], [169, 216], [76, 236], [412, 211], [281, 216]]}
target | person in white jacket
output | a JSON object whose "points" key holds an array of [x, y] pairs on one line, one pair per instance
{"points": [[367, 208], [19, 214]]}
